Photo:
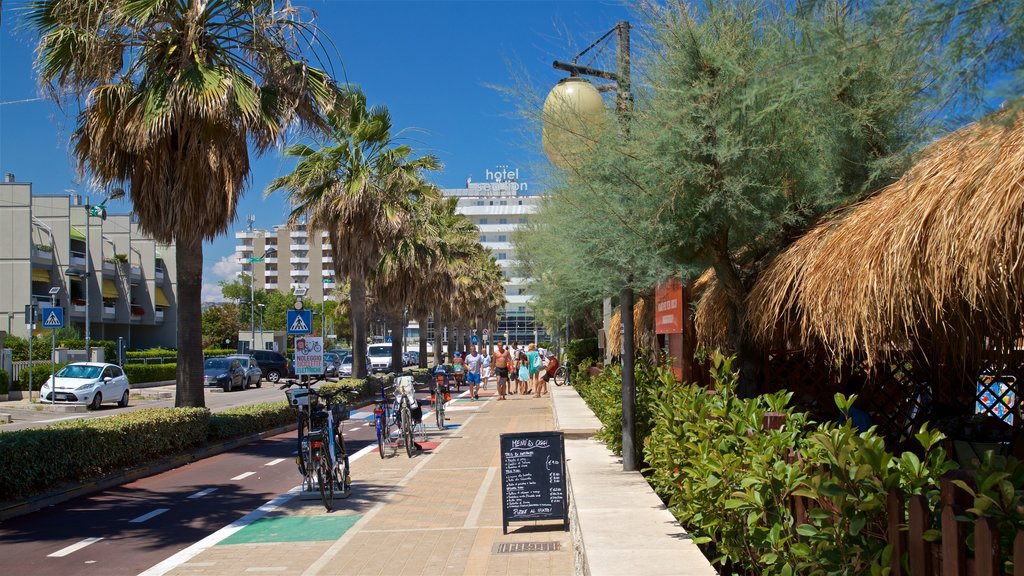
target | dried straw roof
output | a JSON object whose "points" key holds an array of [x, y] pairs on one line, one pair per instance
{"points": [[936, 255]]}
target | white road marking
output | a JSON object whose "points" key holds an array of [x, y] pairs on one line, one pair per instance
{"points": [[243, 476], [149, 515], [74, 547], [60, 419], [201, 493], [478, 503], [274, 462]]}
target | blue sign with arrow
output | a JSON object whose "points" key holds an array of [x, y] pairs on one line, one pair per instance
{"points": [[299, 322], [53, 317]]}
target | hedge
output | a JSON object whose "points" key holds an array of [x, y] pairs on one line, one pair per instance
{"points": [[151, 353], [250, 419], [580, 351], [142, 373], [40, 373], [79, 450], [5, 382]]}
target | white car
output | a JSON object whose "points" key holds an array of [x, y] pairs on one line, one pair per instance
{"points": [[89, 383], [380, 357]]}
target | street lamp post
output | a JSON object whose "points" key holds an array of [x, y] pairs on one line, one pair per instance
{"points": [[262, 307], [252, 295], [99, 211], [572, 110]]}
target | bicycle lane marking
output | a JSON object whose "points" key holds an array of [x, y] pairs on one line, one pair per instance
{"points": [[212, 540], [329, 554]]}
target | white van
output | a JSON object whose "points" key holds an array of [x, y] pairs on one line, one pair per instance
{"points": [[380, 357]]}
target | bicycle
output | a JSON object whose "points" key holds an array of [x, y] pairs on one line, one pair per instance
{"points": [[382, 420], [405, 400], [299, 399], [562, 376], [439, 396]]}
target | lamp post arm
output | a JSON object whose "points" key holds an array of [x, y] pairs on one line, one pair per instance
{"points": [[579, 69]]}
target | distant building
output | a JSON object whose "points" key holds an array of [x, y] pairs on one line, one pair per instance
{"points": [[131, 278], [301, 260]]}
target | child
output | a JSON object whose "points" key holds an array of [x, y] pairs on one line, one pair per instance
{"points": [[524, 373]]}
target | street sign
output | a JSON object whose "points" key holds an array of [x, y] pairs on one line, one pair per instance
{"points": [[30, 314], [52, 317], [486, 332], [387, 339], [328, 280], [309, 356], [474, 340], [300, 321]]}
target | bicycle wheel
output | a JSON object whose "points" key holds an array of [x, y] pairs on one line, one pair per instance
{"points": [[325, 477], [342, 475], [302, 449], [561, 376], [410, 446], [439, 409], [379, 420]]}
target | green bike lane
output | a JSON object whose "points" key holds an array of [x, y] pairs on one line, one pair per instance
{"points": [[438, 512]]}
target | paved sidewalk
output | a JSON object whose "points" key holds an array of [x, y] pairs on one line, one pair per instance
{"points": [[436, 513]]}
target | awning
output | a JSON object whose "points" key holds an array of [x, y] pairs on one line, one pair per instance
{"points": [[40, 275], [161, 299], [109, 289], [76, 234]]}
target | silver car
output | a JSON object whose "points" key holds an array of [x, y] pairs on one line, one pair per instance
{"points": [[89, 383]]}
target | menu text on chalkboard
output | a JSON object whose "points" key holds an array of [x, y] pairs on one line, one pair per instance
{"points": [[533, 478]]}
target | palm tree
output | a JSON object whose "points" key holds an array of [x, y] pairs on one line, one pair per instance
{"points": [[175, 92], [353, 188]]}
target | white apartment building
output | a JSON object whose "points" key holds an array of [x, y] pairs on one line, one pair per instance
{"points": [[292, 258], [50, 242]]}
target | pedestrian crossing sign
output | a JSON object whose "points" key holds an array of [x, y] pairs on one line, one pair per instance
{"points": [[300, 322], [53, 317]]}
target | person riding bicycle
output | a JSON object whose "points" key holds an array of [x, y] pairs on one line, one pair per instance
{"points": [[440, 374], [458, 370]]}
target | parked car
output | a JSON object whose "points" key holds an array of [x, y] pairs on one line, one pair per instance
{"points": [[332, 363], [89, 383], [231, 372], [274, 364], [345, 368], [380, 357]]}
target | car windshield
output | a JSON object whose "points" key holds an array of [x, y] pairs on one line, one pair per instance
{"points": [[347, 360], [330, 357], [80, 371], [216, 363], [379, 351]]}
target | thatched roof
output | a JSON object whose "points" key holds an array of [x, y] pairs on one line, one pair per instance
{"points": [[643, 327], [939, 255]]}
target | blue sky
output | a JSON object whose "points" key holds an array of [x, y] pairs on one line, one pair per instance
{"points": [[433, 63]]}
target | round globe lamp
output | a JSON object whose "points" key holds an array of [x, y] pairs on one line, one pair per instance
{"points": [[573, 116]]}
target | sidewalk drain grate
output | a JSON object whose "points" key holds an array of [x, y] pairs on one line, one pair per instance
{"points": [[518, 547]]}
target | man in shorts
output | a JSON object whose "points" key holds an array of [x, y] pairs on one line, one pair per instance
{"points": [[474, 362], [500, 360]]}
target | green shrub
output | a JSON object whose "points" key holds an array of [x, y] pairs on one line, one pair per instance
{"points": [[5, 382], [142, 373], [109, 346], [250, 419], [219, 351], [19, 348], [366, 388], [603, 394], [40, 373], [582, 351], [78, 450], [152, 353]]}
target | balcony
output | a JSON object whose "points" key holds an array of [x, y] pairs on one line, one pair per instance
{"points": [[159, 315], [326, 246], [299, 273], [109, 268], [42, 253], [270, 260], [300, 247], [244, 235], [327, 259], [76, 258], [160, 274], [135, 275], [328, 272], [330, 298], [243, 248], [138, 312], [299, 260], [109, 311], [270, 286], [298, 234], [78, 307]]}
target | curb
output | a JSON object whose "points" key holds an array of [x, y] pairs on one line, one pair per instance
{"points": [[76, 489]]}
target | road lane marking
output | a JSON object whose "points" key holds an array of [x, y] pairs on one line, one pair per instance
{"points": [[243, 476], [274, 462], [478, 503], [59, 419], [149, 515], [202, 493], [74, 547]]}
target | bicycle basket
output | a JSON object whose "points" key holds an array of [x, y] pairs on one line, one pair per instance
{"points": [[297, 396], [341, 412]]}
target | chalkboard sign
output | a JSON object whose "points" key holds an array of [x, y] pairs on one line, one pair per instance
{"points": [[533, 478]]}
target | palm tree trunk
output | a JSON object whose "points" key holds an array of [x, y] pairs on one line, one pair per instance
{"points": [[358, 290], [189, 379], [453, 339], [396, 322], [438, 338], [422, 320]]}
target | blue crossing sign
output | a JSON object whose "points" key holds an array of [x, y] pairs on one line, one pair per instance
{"points": [[53, 317], [299, 322]]}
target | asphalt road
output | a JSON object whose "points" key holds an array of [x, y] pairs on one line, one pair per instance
{"points": [[27, 415], [128, 529]]}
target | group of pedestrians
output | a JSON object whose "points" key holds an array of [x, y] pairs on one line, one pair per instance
{"points": [[518, 369]]}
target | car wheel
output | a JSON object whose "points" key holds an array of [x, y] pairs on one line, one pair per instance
{"points": [[123, 403], [259, 382], [248, 382], [96, 401], [273, 376], [227, 386]]}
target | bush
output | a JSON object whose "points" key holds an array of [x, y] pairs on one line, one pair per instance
{"points": [[142, 373], [19, 348], [219, 351], [40, 373], [109, 346], [250, 419], [40, 458], [582, 351], [5, 382], [152, 353]]}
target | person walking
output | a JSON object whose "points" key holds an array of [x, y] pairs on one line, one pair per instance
{"points": [[549, 371], [524, 373], [501, 361], [534, 360], [485, 374], [474, 363]]}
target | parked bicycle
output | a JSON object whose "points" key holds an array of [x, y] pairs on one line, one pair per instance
{"points": [[382, 419], [439, 397], [407, 411], [562, 376]]}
